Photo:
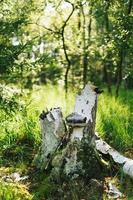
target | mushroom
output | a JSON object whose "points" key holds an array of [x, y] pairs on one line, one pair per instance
{"points": [[76, 120]]}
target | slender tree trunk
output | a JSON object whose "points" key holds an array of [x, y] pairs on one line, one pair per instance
{"points": [[106, 78], [89, 29], [106, 63], [21, 74], [119, 72], [64, 46], [67, 59], [130, 7], [85, 60], [79, 20], [122, 55]]}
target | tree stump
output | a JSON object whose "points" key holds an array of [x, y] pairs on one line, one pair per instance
{"points": [[53, 131], [72, 149], [78, 157]]}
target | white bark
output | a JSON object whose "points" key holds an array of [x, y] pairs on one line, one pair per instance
{"points": [[85, 102], [85, 107], [124, 162], [82, 122], [80, 155], [53, 131]]}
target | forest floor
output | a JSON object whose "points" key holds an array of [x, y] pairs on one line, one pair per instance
{"points": [[20, 140]]}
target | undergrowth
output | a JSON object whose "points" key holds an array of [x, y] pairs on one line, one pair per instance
{"points": [[20, 131], [115, 119]]}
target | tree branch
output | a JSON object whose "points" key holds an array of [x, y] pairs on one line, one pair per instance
{"points": [[69, 16], [64, 45]]}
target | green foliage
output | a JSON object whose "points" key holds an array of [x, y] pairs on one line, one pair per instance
{"points": [[19, 128], [14, 191], [9, 99], [20, 138], [99, 45], [31, 46]]}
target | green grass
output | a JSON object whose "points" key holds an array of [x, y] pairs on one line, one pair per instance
{"points": [[14, 191], [115, 120], [20, 133], [50, 96], [114, 116]]}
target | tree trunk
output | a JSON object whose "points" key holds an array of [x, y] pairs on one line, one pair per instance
{"points": [[78, 157], [129, 7], [124, 162], [122, 53], [85, 60], [106, 78], [106, 62], [64, 46], [119, 71], [53, 131], [77, 152], [68, 61]]}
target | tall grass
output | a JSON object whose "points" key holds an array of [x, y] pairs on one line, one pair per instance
{"points": [[14, 191], [114, 117], [50, 96], [115, 120], [20, 133]]}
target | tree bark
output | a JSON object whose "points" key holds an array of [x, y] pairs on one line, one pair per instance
{"points": [[129, 7], [125, 163], [78, 157], [77, 152], [106, 77], [53, 131], [68, 61]]}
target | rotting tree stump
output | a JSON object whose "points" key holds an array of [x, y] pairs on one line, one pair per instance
{"points": [[70, 148]]}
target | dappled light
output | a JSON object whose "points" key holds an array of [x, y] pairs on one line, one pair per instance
{"points": [[66, 100]]}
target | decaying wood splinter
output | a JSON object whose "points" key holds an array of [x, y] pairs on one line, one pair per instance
{"points": [[53, 132], [124, 162]]}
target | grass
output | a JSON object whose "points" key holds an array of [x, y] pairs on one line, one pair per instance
{"points": [[50, 96], [14, 191], [114, 116], [20, 133], [115, 119]]}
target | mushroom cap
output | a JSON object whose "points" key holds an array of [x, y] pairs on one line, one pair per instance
{"points": [[76, 120]]}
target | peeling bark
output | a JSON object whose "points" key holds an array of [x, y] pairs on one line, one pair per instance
{"points": [[80, 156], [79, 150], [53, 133], [124, 162]]}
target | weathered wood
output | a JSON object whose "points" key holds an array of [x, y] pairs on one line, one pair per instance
{"points": [[81, 155], [80, 151], [124, 162], [53, 132]]}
